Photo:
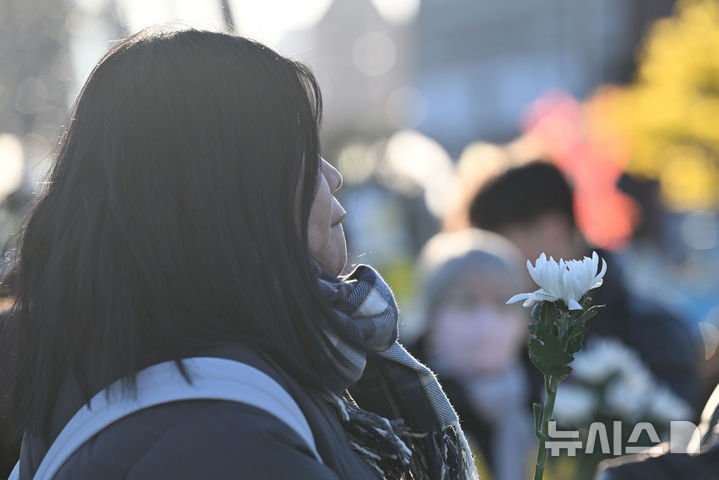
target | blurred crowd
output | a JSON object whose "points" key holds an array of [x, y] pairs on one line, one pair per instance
{"points": [[513, 211], [510, 212]]}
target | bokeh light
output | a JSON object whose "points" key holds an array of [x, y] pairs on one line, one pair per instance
{"points": [[374, 54], [397, 11], [12, 164]]}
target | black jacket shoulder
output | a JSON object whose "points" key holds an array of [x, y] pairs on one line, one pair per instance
{"points": [[207, 439], [196, 439], [673, 466]]}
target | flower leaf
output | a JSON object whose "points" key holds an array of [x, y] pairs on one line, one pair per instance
{"points": [[576, 337], [589, 311], [556, 336], [537, 410], [545, 346], [547, 355]]}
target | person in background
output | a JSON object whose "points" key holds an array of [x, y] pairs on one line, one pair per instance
{"points": [[703, 465], [531, 204], [477, 344]]}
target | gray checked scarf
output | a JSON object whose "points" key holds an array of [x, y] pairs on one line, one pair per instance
{"points": [[393, 410]]}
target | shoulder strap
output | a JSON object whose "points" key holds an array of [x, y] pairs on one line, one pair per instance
{"points": [[212, 379]]}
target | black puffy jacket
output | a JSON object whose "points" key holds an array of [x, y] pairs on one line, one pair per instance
{"points": [[205, 439]]}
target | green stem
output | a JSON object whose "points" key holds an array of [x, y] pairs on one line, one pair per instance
{"points": [[550, 386]]}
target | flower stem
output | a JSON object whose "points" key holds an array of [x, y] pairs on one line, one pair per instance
{"points": [[550, 386]]}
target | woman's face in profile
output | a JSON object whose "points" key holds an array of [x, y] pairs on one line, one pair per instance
{"points": [[326, 235]]}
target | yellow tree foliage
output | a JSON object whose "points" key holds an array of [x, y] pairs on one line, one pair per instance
{"points": [[670, 115]]}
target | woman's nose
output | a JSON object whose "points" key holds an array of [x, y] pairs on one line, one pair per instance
{"points": [[333, 176]]}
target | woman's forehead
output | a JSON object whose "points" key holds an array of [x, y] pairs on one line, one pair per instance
{"points": [[482, 281]]}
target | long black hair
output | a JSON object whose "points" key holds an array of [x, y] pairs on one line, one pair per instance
{"points": [[175, 217]]}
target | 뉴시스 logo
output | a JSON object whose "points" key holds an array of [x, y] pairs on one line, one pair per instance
{"points": [[684, 437]]}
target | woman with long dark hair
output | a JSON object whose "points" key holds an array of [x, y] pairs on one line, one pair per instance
{"points": [[189, 215]]}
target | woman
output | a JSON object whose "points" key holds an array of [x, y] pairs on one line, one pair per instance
{"points": [[476, 344], [189, 214]]}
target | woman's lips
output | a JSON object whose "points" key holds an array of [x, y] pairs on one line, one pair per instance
{"points": [[340, 219]]}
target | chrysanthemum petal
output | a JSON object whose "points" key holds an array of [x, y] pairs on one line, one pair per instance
{"points": [[573, 304], [533, 272], [603, 271], [518, 298], [543, 295]]}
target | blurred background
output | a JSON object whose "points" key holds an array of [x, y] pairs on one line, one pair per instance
{"points": [[622, 95], [423, 98]]}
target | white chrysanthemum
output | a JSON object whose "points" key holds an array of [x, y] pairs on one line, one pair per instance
{"points": [[575, 405], [627, 395], [664, 405], [568, 281], [603, 358]]}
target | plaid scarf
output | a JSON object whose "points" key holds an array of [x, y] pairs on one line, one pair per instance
{"points": [[423, 441]]}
